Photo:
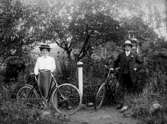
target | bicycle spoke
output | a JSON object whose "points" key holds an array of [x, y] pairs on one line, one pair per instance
{"points": [[66, 99], [100, 96], [28, 96]]}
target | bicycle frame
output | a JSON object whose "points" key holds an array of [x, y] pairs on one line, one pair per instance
{"points": [[107, 78], [104, 86], [110, 73], [65, 97], [51, 87]]}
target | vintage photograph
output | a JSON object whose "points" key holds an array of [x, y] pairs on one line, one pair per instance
{"points": [[83, 61]]}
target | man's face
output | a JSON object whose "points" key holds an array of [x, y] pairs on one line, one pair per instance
{"points": [[128, 47], [134, 46], [44, 52]]}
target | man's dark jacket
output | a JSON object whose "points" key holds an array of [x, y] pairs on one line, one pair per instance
{"points": [[127, 64]]}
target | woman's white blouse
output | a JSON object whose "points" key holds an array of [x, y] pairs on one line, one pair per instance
{"points": [[47, 63]]}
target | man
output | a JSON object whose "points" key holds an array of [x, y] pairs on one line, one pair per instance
{"points": [[44, 65], [136, 46], [128, 63]]}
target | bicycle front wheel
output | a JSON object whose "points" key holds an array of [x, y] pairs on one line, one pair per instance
{"points": [[27, 95], [66, 99], [100, 96]]}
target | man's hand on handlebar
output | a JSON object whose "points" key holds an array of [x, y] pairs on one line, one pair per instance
{"points": [[135, 69], [116, 69], [111, 69]]}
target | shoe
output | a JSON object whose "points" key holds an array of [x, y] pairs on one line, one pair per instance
{"points": [[119, 106], [43, 105], [123, 109], [128, 113], [69, 107]]}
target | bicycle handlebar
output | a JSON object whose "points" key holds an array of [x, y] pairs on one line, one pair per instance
{"points": [[32, 73], [36, 76], [112, 69], [116, 69]]}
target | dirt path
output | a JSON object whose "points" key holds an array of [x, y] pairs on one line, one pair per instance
{"points": [[106, 115]]}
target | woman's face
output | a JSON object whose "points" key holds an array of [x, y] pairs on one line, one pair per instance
{"points": [[44, 52]]}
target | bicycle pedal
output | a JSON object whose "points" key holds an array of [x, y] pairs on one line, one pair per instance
{"points": [[43, 106], [90, 104]]}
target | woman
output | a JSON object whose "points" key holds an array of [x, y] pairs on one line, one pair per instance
{"points": [[44, 65]]}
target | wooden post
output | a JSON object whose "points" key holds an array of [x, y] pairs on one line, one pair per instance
{"points": [[80, 77]]}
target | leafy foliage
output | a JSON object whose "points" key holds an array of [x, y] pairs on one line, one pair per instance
{"points": [[86, 26], [14, 28]]}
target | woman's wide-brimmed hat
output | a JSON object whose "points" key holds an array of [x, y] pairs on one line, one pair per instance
{"points": [[44, 46], [128, 42]]}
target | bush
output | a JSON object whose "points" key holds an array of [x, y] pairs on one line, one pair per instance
{"points": [[153, 92], [67, 72], [14, 113]]}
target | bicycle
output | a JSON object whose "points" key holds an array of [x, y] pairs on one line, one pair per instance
{"points": [[65, 98], [101, 93]]}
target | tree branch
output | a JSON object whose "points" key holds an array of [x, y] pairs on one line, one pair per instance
{"points": [[85, 46]]}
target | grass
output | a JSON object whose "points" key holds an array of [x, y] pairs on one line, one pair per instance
{"points": [[12, 112], [143, 105], [154, 91]]}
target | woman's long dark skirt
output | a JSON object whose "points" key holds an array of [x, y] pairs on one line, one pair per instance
{"points": [[44, 81]]}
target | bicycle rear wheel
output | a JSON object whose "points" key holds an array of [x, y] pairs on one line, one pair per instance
{"points": [[27, 95], [100, 96], [66, 99]]}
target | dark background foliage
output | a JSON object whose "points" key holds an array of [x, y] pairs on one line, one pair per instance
{"points": [[96, 36]]}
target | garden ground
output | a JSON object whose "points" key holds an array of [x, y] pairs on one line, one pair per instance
{"points": [[105, 115]]}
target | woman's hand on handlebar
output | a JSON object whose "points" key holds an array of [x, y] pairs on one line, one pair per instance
{"points": [[114, 69], [117, 68]]}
